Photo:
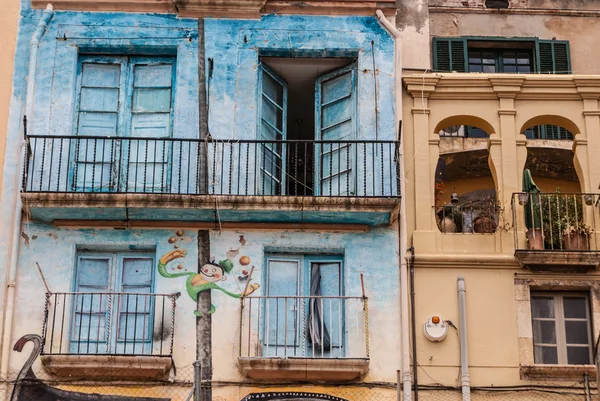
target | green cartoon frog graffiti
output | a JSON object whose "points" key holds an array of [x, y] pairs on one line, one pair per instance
{"points": [[210, 274]]}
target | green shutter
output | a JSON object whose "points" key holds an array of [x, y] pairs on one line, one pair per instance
{"points": [[450, 54], [554, 57]]}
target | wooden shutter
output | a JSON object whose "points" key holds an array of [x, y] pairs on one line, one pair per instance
{"points": [[450, 54], [335, 121], [135, 311], [88, 327], [554, 57], [272, 127], [98, 116], [281, 317], [151, 107]]}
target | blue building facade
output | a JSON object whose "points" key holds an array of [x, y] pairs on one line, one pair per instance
{"points": [[296, 185]]}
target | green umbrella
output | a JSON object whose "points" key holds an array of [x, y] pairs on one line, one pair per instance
{"points": [[532, 209]]}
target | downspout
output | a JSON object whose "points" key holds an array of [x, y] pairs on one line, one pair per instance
{"points": [[34, 45], [404, 315], [465, 379], [413, 326]]}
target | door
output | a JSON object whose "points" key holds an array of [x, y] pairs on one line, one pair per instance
{"points": [[335, 119], [272, 127]]}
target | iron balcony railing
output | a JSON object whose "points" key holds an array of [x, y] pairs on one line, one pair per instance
{"points": [[473, 218], [78, 164], [304, 326], [556, 221], [109, 323]]}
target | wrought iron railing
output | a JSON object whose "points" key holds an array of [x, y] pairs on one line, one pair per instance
{"points": [[78, 164], [109, 323], [474, 218], [304, 326], [556, 221]]}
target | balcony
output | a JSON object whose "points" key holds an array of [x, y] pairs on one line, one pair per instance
{"points": [[557, 231], [304, 338], [129, 181], [108, 335]]}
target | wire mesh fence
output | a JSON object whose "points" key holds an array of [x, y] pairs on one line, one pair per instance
{"points": [[542, 393]]}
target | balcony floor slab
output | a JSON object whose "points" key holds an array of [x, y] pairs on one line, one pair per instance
{"points": [[304, 369], [52, 207], [558, 260]]}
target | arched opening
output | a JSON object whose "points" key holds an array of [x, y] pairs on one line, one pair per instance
{"points": [[465, 194], [549, 127]]}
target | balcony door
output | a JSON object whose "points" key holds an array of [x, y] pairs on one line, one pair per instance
{"points": [[112, 305], [123, 128], [303, 314], [303, 100]]}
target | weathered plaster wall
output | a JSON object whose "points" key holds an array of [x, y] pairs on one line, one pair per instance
{"points": [[412, 20], [580, 31], [235, 46]]}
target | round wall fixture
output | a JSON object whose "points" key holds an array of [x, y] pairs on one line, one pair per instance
{"points": [[435, 329]]}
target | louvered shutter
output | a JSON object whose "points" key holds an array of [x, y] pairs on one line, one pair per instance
{"points": [[150, 118], [88, 327], [554, 57], [97, 117], [449, 54], [335, 121]]}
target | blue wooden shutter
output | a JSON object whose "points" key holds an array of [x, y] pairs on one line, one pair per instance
{"points": [[272, 127], [450, 54], [98, 116], [88, 328], [281, 316], [135, 310], [335, 121], [553, 56], [151, 107]]}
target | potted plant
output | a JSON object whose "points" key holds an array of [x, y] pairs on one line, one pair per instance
{"points": [[450, 219], [563, 222], [488, 210]]}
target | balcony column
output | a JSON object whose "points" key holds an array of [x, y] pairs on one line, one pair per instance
{"points": [[509, 177], [425, 152], [585, 146]]}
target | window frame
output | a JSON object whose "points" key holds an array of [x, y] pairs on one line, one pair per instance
{"points": [[499, 56], [559, 324], [305, 262], [114, 286]]}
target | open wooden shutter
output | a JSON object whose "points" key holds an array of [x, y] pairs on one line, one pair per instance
{"points": [[553, 57], [150, 118], [450, 54], [335, 121], [97, 117], [272, 127], [88, 327]]}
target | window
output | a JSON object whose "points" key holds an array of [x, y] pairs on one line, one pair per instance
{"points": [[561, 328], [123, 97], [304, 314], [307, 99], [112, 306], [501, 55]]}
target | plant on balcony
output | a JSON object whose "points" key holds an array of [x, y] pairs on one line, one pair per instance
{"points": [[562, 222], [489, 210]]}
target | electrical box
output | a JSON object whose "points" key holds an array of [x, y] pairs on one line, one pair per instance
{"points": [[435, 329]]}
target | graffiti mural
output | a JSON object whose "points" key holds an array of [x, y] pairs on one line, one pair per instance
{"points": [[210, 274], [28, 387], [291, 396]]}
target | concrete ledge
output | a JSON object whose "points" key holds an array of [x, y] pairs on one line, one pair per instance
{"points": [[304, 369], [558, 261], [557, 372], [108, 367]]}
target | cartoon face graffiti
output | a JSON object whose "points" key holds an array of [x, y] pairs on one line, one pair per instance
{"points": [[212, 273]]}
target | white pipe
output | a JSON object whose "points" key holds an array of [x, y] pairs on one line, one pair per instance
{"points": [[34, 45], [404, 315], [465, 379]]}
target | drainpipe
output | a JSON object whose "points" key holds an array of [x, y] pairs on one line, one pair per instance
{"points": [[465, 379], [404, 316], [14, 245]]}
